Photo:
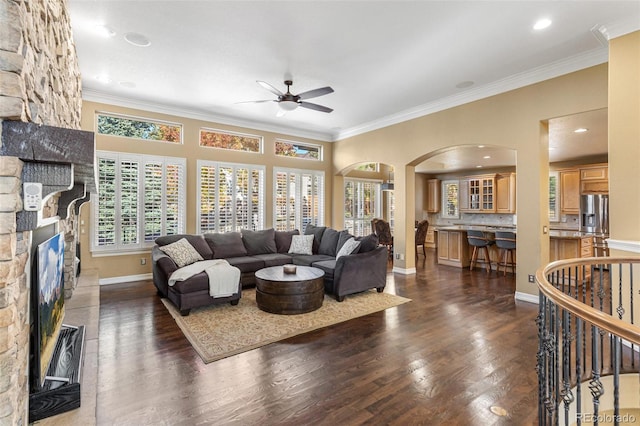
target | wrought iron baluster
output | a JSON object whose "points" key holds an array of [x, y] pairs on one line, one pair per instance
{"points": [[566, 394], [595, 385], [540, 356], [579, 367], [616, 379]]}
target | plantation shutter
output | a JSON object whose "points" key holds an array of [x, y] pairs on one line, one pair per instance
{"points": [[299, 199]]}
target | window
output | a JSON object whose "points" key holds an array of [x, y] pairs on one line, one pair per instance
{"points": [[307, 151], [391, 208], [361, 204], [138, 128], [554, 203], [212, 138], [369, 167], [140, 198], [450, 199], [298, 199], [230, 197]]}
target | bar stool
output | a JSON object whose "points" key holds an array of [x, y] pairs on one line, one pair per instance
{"points": [[506, 243], [479, 242]]}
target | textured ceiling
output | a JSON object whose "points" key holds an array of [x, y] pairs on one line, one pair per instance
{"points": [[387, 61]]}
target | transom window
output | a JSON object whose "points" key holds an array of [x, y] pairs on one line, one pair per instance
{"points": [[138, 128], [361, 204], [303, 150], [140, 198], [230, 197], [298, 199], [223, 139], [369, 167]]}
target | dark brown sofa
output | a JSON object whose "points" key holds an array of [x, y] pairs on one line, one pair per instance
{"points": [[250, 251]]}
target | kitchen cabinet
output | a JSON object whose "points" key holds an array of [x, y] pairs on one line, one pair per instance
{"points": [[453, 248], [481, 194], [594, 179], [430, 239], [570, 191], [433, 196], [571, 247], [506, 193]]}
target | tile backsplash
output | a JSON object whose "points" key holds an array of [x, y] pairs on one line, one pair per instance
{"points": [[569, 222]]}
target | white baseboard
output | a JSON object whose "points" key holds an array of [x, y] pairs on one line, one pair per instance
{"points": [[404, 271], [526, 297], [125, 279]]}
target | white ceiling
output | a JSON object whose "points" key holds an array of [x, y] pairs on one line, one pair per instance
{"points": [[387, 61]]}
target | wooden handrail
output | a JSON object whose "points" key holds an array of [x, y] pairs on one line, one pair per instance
{"points": [[623, 329]]}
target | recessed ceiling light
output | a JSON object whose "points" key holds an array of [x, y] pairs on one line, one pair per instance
{"points": [[103, 78], [104, 31], [486, 156], [478, 167], [480, 146], [137, 39], [464, 84], [580, 130], [541, 24]]}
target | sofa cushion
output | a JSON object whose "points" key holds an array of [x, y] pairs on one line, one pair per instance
{"points": [[342, 238], [301, 244], [259, 242], [246, 263], [307, 260], [328, 266], [349, 247], [329, 242], [283, 240], [368, 243], [317, 232], [198, 282], [226, 244], [182, 252], [273, 259], [197, 241]]}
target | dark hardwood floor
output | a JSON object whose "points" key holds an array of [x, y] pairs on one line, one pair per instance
{"points": [[462, 346]]}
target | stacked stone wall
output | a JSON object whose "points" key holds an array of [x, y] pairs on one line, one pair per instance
{"points": [[39, 83]]}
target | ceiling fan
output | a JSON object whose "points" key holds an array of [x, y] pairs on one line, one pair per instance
{"points": [[288, 101]]}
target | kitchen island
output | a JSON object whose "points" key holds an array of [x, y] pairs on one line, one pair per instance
{"points": [[454, 250]]}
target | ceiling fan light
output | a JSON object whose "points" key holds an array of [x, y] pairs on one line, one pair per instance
{"points": [[288, 105]]}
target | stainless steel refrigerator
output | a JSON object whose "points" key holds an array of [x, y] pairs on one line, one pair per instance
{"points": [[594, 214]]}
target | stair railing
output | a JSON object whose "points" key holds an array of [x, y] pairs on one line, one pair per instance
{"points": [[588, 356]]}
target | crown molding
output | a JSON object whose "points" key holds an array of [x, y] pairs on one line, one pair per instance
{"points": [[546, 72], [621, 28], [92, 95]]}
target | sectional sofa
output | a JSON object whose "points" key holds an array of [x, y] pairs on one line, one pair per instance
{"points": [[249, 251]]}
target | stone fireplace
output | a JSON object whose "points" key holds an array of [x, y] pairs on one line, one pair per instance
{"points": [[40, 107]]}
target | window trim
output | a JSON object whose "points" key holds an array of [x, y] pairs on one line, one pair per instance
{"points": [[142, 159], [137, 118], [232, 133], [307, 144], [378, 202], [234, 166], [298, 210]]}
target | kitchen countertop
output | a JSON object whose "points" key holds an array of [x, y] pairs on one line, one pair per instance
{"points": [[553, 233]]}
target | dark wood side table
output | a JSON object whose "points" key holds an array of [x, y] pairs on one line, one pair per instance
{"points": [[289, 294]]}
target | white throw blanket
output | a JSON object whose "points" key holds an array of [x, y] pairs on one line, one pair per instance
{"points": [[223, 278]]}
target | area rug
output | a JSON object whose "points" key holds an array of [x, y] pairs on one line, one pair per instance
{"points": [[219, 331]]}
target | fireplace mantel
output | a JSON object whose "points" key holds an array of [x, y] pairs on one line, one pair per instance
{"points": [[63, 160]]}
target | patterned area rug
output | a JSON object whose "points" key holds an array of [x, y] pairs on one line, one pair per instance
{"points": [[220, 331]]}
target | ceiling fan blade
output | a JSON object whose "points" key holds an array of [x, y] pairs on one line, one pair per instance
{"points": [[257, 102], [270, 88], [315, 93], [315, 106]]}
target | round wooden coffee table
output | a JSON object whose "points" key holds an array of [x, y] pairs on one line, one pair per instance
{"points": [[289, 294]]}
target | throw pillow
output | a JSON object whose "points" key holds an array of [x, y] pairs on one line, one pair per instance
{"points": [[197, 241], [350, 246], [182, 252], [344, 236], [301, 244], [226, 245], [283, 240], [259, 242]]}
